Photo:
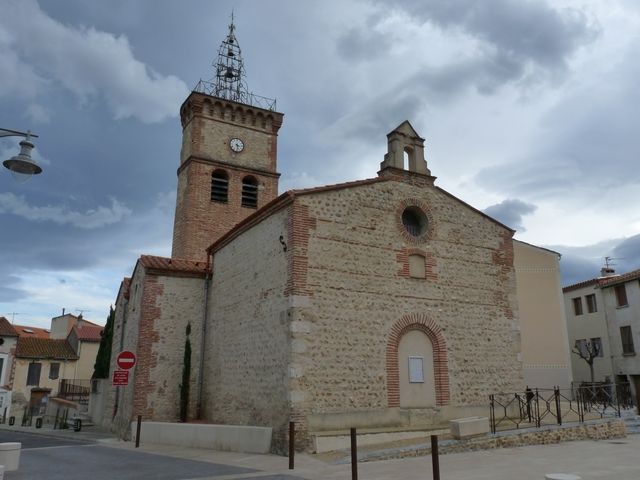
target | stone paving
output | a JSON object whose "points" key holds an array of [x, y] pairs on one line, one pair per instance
{"points": [[98, 457]]}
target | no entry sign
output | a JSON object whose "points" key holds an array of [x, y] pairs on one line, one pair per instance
{"points": [[126, 360]]}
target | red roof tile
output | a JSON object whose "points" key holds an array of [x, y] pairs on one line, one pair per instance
{"points": [[173, 265], [6, 329], [579, 285], [604, 282], [617, 279], [89, 333], [33, 332], [44, 348]]}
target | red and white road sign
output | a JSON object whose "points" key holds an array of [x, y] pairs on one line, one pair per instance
{"points": [[120, 378], [126, 360]]}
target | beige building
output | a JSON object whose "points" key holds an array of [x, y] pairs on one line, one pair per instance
{"points": [[586, 321], [8, 340], [384, 302], [606, 311], [545, 354], [34, 361]]}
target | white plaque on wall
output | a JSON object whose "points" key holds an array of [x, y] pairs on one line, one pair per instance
{"points": [[416, 370]]}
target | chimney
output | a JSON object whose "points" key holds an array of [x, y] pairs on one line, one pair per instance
{"points": [[607, 272]]}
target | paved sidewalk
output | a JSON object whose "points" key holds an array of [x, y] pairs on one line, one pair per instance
{"points": [[604, 459]]}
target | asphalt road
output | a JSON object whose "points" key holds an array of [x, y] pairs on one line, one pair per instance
{"points": [[56, 458]]}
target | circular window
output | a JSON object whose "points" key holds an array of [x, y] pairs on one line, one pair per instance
{"points": [[414, 221]]}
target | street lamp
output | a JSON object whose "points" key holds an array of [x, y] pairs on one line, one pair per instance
{"points": [[22, 166]]}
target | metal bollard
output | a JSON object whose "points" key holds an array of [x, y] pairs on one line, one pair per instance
{"points": [[354, 455], [435, 461], [292, 450], [139, 426], [39, 422]]}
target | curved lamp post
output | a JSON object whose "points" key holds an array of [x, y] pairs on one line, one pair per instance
{"points": [[22, 166]]}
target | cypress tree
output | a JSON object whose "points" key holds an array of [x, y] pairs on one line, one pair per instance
{"points": [[103, 358], [186, 374]]}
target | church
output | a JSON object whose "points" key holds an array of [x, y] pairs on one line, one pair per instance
{"points": [[383, 302]]}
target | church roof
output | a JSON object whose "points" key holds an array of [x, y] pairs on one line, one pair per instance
{"points": [[166, 265], [44, 348], [6, 329]]}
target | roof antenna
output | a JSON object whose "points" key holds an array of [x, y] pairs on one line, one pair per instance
{"points": [[608, 269]]}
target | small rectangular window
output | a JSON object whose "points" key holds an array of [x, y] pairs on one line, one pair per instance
{"points": [[54, 371], [33, 374], [592, 307], [621, 295], [627, 340], [577, 305]]}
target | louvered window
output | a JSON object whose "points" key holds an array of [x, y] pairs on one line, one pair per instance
{"points": [[33, 374], [219, 186], [249, 192]]}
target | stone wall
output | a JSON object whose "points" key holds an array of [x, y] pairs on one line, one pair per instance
{"points": [[247, 354], [152, 323], [593, 430], [178, 301], [350, 252], [119, 403]]}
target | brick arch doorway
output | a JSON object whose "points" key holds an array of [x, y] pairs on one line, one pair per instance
{"points": [[397, 353], [415, 367]]}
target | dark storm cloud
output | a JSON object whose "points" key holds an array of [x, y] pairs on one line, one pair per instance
{"points": [[627, 254], [588, 142], [523, 30], [518, 43], [574, 269], [584, 262], [510, 212], [9, 289], [364, 43]]}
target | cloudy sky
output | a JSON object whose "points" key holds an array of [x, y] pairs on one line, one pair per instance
{"points": [[528, 108]]}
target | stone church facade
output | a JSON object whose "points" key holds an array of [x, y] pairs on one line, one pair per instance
{"points": [[384, 302]]}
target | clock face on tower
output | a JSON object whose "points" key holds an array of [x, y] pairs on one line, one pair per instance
{"points": [[236, 145]]}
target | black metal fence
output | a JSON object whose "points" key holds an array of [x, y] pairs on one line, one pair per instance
{"points": [[75, 390], [538, 407]]}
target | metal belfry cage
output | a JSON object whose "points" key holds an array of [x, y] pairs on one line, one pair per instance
{"points": [[229, 81]]}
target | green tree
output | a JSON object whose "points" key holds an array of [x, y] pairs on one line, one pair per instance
{"points": [[186, 375], [103, 358]]}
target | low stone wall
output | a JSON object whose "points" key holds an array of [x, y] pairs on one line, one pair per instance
{"points": [[591, 430], [229, 438]]}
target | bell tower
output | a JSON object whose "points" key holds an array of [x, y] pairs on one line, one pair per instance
{"points": [[228, 159]]}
